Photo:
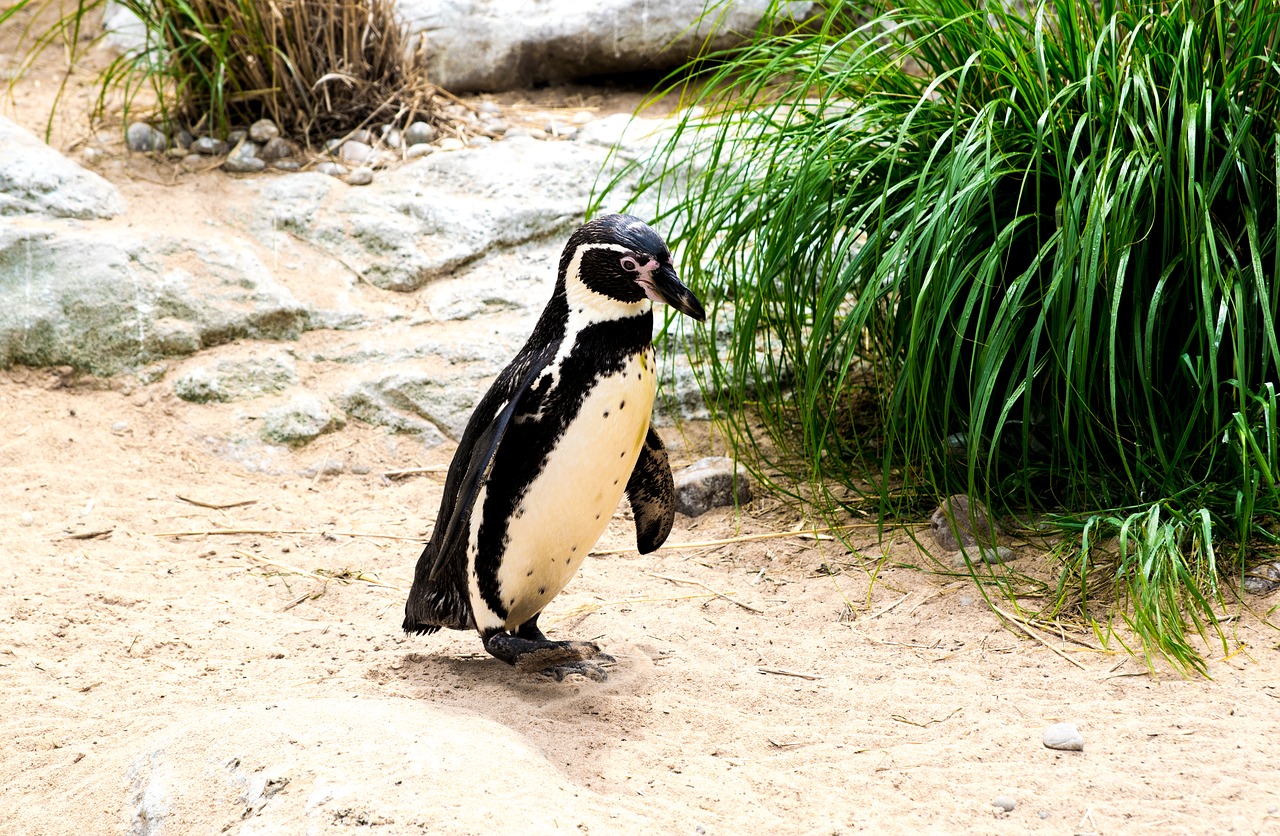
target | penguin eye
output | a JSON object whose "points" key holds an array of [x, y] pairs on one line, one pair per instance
{"points": [[630, 264]]}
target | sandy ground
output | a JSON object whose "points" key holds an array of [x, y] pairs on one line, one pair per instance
{"points": [[784, 685]]}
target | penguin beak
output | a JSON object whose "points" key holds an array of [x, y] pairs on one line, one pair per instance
{"points": [[663, 285]]}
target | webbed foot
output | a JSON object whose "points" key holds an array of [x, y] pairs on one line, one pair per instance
{"points": [[556, 659]]}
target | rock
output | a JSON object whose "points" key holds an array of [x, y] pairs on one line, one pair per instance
{"points": [[237, 379], [479, 140], [112, 300], [419, 150], [332, 169], [361, 176], [37, 180], [353, 151], [1064, 737], [1262, 579], [391, 137], [448, 210], [491, 108], [295, 766], [141, 137], [243, 159], [1004, 802], [429, 404], [303, 418], [450, 143], [509, 44], [236, 136], [286, 165], [209, 146], [419, 133], [710, 483], [263, 131], [963, 523], [1000, 554], [278, 148]]}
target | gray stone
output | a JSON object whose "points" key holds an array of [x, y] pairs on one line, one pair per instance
{"points": [[353, 151], [294, 766], [286, 165], [264, 130], [1064, 737], [419, 150], [237, 379], [237, 136], [1262, 579], [710, 483], [361, 176], [960, 522], [999, 554], [244, 159], [1004, 802], [37, 180], [209, 146], [419, 133], [332, 169], [142, 137], [111, 300], [509, 44], [447, 210], [391, 137], [278, 148], [432, 404], [300, 420]]}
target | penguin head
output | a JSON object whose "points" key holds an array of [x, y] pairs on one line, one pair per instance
{"points": [[621, 257]]}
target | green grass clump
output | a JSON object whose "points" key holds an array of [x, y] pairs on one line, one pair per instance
{"points": [[1027, 256], [318, 69]]}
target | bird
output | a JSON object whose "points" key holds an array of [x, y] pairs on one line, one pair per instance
{"points": [[562, 434]]}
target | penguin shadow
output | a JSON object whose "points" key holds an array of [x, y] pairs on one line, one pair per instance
{"points": [[632, 667]]}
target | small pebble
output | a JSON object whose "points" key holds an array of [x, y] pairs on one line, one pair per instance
{"points": [[419, 133], [142, 137], [209, 146], [333, 145], [494, 126], [391, 137], [1044, 814], [243, 165], [582, 117], [538, 133], [183, 138], [237, 136], [1004, 802], [492, 108], [516, 133], [361, 176], [1064, 737], [355, 151], [277, 148], [264, 130], [92, 155], [195, 161], [286, 165], [451, 143], [966, 600], [332, 169], [422, 149], [27, 518], [119, 426], [360, 136], [1000, 554]]}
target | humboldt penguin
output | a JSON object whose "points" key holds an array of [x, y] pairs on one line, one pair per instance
{"points": [[549, 451]]}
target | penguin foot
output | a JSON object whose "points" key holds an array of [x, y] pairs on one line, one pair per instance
{"points": [[537, 655]]}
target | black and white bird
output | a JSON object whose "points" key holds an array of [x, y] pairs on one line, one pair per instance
{"points": [[549, 451]]}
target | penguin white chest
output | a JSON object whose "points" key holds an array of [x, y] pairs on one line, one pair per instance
{"points": [[567, 506]]}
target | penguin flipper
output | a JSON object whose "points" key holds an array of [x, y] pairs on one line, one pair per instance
{"points": [[439, 597], [652, 492]]}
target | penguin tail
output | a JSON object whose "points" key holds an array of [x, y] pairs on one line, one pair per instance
{"points": [[433, 604]]}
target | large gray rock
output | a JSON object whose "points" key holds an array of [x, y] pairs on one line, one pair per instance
{"points": [[329, 765], [441, 212], [108, 301], [37, 180], [474, 45]]}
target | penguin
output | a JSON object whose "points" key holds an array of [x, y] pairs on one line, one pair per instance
{"points": [[561, 435]]}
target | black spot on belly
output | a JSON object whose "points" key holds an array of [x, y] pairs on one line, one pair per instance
{"points": [[623, 454], [622, 405], [529, 574], [575, 548], [606, 413], [542, 590], [615, 481]]}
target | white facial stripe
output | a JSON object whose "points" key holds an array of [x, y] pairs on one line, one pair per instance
{"points": [[587, 307]]}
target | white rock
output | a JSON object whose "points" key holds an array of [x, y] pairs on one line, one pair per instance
{"points": [[37, 180], [508, 44], [1065, 737], [361, 176]]}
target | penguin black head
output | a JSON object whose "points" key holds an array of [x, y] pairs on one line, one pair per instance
{"points": [[621, 257]]}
